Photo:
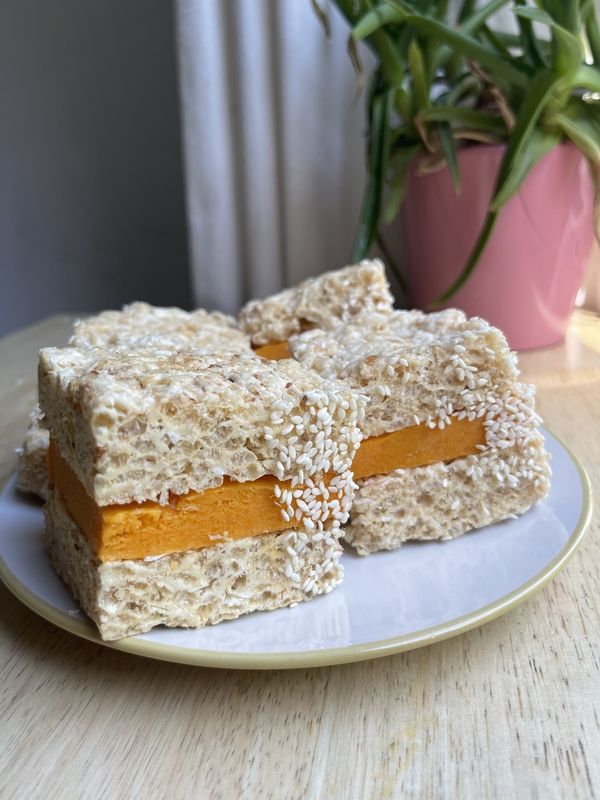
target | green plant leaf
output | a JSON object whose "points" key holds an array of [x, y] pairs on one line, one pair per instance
{"points": [[466, 117], [586, 77], [568, 50], [419, 75], [448, 146], [472, 20], [441, 8], [399, 167], [467, 46], [538, 144], [537, 97], [380, 41], [535, 15], [478, 18], [463, 86], [515, 41], [391, 63], [467, 8], [592, 32], [373, 20], [381, 106], [532, 49], [564, 12], [487, 34], [580, 123]]}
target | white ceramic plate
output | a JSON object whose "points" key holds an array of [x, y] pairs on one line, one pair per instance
{"points": [[388, 602]]}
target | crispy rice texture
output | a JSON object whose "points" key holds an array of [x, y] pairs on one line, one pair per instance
{"points": [[32, 474], [442, 501], [432, 368], [413, 367], [190, 589], [136, 325], [322, 302], [137, 426], [146, 326]]}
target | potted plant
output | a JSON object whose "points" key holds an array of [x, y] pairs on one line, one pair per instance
{"points": [[487, 135]]}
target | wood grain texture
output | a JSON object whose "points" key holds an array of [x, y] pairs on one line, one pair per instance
{"points": [[510, 710]]}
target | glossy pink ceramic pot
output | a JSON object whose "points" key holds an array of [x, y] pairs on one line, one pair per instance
{"points": [[528, 276]]}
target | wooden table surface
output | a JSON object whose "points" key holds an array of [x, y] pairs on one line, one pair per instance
{"points": [[510, 710]]}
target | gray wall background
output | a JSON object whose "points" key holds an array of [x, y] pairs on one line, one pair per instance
{"points": [[91, 193]]}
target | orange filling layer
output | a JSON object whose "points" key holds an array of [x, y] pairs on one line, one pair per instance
{"points": [[236, 510], [417, 446], [274, 350], [193, 520]]}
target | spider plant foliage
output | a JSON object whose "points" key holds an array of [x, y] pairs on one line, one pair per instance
{"points": [[447, 77]]}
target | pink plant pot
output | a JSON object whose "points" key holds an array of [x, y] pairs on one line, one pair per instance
{"points": [[528, 276]]}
